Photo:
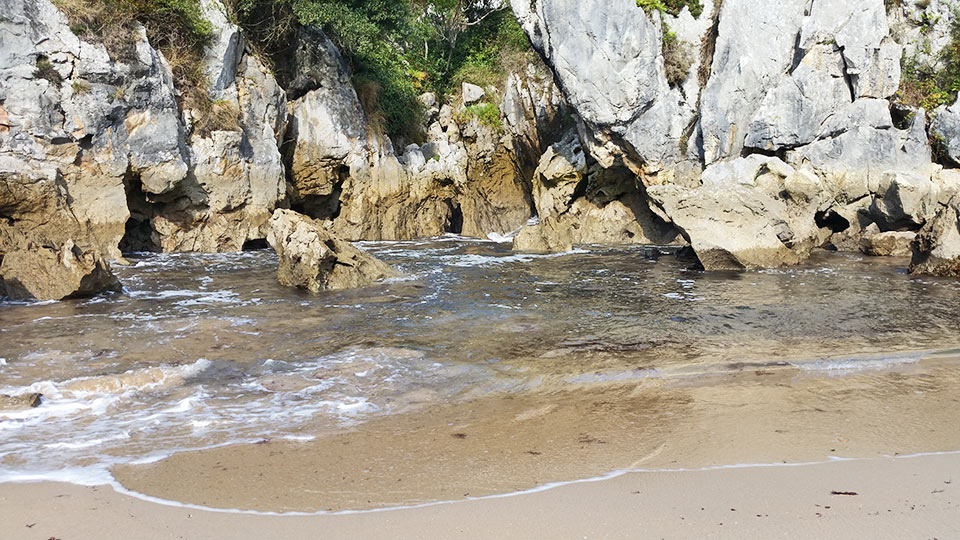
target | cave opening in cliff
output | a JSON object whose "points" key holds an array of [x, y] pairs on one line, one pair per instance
{"points": [[324, 206], [255, 244], [454, 223], [138, 231], [831, 220]]}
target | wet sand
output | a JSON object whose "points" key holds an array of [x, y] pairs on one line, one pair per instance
{"points": [[896, 498], [499, 445]]}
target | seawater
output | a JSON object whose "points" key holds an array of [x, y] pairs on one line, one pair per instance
{"points": [[202, 350]]}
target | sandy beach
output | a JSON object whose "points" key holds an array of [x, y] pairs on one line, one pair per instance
{"points": [[896, 498], [760, 454], [502, 445]]}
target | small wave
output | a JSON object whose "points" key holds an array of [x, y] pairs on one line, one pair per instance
{"points": [[143, 379], [473, 259]]}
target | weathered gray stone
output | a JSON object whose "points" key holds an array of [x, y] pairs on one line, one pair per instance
{"points": [[609, 65], [937, 248], [753, 212], [945, 128], [311, 258], [471, 93], [44, 273], [859, 30], [792, 114], [578, 204], [904, 199], [754, 47]]}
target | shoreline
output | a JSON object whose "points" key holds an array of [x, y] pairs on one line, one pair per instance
{"points": [[896, 497], [509, 444]]}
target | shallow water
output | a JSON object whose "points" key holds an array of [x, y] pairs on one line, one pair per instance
{"points": [[204, 350]]}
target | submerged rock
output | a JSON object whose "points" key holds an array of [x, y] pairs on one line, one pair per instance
{"points": [[45, 273], [312, 258], [22, 401], [937, 249]]}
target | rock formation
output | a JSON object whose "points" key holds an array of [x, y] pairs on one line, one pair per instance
{"points": [[937, 248], [810, 82], [22, 401], [95, 150], [312, 258], [44, 273]]}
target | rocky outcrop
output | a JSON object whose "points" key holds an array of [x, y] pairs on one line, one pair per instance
{"points": [[609, 64], [21, 401], [937, 248], [754, 212], [236, 175], [469, 176], [578, 203], [312, 258], [46, 273], [810, 82], [94, 148]]}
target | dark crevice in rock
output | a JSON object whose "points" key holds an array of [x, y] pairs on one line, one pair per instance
{"points": [[455, 222], [139, 234], [708, 47], [847, 77], [780, 153], [255, 244], [324, 206], [831, 220]]}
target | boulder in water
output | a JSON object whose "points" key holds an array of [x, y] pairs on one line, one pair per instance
{"points": [[23, 401], [40, 272], [312, 258]]}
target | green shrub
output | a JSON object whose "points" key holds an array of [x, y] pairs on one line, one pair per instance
{"points": [[80, 88], [487, 114], [673, 7], [677, 58], [930, 85]]}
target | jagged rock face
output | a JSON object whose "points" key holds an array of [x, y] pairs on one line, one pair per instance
{"points": [[755, 45], [236, 177], [311, 258], [808, 80], [577, 204], [328, 127], [937, 248], [924, 28], [945, 128], [69, 139], [467, 177], [607, 61], [32, 271], [99, 150]]}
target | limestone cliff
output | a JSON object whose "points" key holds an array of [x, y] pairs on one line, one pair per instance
{"points": [[754, 132], [806, 86]]}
